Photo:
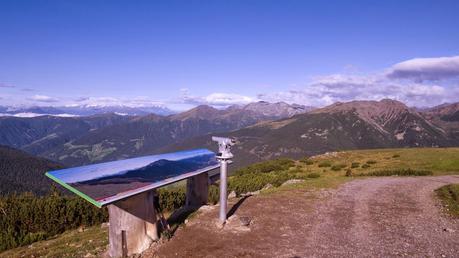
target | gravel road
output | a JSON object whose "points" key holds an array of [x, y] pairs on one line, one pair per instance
{"points": [[382, 217], [375, 217]]}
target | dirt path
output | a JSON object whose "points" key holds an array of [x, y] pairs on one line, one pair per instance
{"points": [[376, 217]]}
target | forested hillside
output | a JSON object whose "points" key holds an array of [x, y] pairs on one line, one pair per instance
{"points": [[21, 172]]}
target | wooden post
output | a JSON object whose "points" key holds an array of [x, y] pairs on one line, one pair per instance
{"points": [[132, 225], [197, 190]]}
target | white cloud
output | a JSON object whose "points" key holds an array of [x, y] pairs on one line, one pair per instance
{"points": [[43, 98], [135, 102], [326, 90], [214, 99], [227, 99], [422, 69]]}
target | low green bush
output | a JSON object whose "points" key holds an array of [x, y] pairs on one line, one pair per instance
{"points": [[338, 167], [325, 164], [349, 172], [307, 161], [366, 166], [313, 175], [26, 218], [400, 172], [267, 166], [214, 194], [355, 165], [449, 194], [371, 162], [171, 198], [396, 156]]}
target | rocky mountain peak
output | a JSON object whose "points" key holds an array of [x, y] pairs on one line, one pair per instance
{"points": [[278, 109], [369, 110], [200, 112]]}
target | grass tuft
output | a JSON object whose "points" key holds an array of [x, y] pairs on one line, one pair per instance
{"points": [[449, 194], [325, 164], [399, 172], [349, 172], [314, 175], [355, 165], [338, 167], [366, 166]]}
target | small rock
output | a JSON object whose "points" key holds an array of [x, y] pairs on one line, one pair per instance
{"points": [[81, 229], [254, 193], [268, 186], [292, 181], [250, 193], [232, 195], [245, 221], [186, 221], [219, 225], [104, 225], [448, 230]]}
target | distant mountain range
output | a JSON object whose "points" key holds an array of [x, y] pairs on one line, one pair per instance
{"points": [[341, 126], [83, 110], [89, 139], [263, 130]]}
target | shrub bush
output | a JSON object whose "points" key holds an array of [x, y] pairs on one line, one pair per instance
{"points": [[338, 167], [325, 164], [396, 156], [313, 175], [267, 166], [449, 194], [400, 172], [371, 162], [307, 161], [355, 165], [366, 166], [27, 218], [171, 198], [349, 172]]}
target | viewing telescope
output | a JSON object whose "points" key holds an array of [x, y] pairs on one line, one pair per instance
{"points": [[224, 147], [224, 155]]}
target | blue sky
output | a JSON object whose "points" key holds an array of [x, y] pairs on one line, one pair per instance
{"points": [[185, 53]]}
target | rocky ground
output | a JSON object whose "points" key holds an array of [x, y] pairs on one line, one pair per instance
{"points": [[375, 217]]}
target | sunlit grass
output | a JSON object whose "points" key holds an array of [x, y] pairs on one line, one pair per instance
{"points": [[92, 242], [438, 160], [449, 194]]}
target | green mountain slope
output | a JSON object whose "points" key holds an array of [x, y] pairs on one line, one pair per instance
{"points": [[21, 172]]}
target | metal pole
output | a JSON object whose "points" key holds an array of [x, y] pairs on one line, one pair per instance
{"points": [[223, 185]]}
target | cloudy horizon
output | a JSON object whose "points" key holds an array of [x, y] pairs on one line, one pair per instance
{"points": [[417, 82]]}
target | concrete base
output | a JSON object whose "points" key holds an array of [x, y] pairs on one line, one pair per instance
{"points": [[132, 225], [133, 221], [197, 190]]}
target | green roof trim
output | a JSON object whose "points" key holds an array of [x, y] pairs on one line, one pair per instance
{"points": [[75, 191]]}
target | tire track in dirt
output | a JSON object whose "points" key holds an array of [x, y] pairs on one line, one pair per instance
{"points": [[381, 217], [375, 217]]}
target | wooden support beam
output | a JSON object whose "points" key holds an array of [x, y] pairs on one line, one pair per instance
{"points": [[132, 225], [197, 190]]}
